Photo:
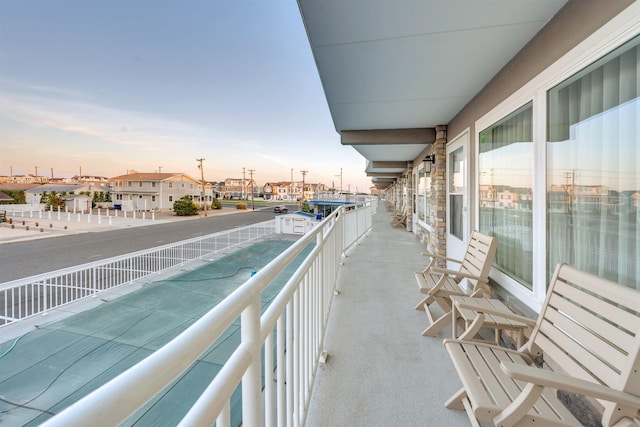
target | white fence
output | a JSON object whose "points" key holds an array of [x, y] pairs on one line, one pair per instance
{"points": [[35, 295], [295, 321]]}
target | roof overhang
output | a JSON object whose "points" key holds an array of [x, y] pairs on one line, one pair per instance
{"points": [[388, 151], [393, 66]]}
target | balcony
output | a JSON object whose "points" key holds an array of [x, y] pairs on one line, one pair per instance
{"points": [[379, 370]]}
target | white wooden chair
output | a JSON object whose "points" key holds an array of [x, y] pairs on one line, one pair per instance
{"points": [[588, 335], [440, 284]]}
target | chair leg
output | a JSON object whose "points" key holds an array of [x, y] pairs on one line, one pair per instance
{"points": [[460, 402], [437, 325], [473, 328], [425, 301], [455, 401]]}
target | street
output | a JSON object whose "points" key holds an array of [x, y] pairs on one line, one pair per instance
{"points": [[23, 259]]}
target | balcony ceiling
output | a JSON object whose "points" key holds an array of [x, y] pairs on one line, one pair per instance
{"points": [[411, 65]]}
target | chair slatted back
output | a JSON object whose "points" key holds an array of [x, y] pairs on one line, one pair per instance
{"points": [[590, 328], [479, 257]]}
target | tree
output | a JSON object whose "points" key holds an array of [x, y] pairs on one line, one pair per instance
{"points": [[185, 207], [51, 200]]}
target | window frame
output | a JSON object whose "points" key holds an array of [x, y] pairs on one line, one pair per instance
{"points": [[426, 224], [619, 30], [502, 278]]}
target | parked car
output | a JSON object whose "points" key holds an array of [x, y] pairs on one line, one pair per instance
{"points": [[280, 209]]}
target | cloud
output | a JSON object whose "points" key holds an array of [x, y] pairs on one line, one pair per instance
{"points": [[133, 129]]}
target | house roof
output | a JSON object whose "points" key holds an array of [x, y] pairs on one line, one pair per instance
{"points": [[17, 186], [57, 188], [5, 197], [145, 176]]}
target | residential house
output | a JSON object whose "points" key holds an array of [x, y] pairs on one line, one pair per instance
{"points": [[233, 188], [282, 190], [34, 196], [23, 179], [153, 191], [93, 181], [311, 189], [5, 198]]}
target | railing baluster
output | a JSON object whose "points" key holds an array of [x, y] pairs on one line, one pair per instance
{"points": [[299, 314], [280, 372], [45, 292], [269, 383], [252, 381]]}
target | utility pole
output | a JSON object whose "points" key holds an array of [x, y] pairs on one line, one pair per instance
{"points": [[291, 185], [202, 197], [251, 171], [160, 167], [243, 177], [304, 173]]}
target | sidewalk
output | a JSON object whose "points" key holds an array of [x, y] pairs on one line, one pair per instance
{"points": [[31, 226]]}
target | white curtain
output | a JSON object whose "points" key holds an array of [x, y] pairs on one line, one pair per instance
{"points": [[505, 178], [593, 173]]}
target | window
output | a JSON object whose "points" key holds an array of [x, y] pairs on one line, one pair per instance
{"points": [[170, 186], [153, 198], [140, 184], [153, 184], [129, 183], [423, 191], [506, 188], [457, 179], [170, 198], [593, 178]]}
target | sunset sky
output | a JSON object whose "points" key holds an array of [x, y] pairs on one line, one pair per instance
{"points": [[111, 86]]}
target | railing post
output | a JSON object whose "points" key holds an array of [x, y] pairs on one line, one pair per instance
{"points": [[251, 380], [93, 280]]}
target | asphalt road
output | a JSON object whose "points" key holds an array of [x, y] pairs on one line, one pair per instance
{"points": [[24, 259]]}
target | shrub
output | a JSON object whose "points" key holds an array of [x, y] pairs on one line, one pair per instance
{"points": [[241, 206], [216, 204], [185, 207]]}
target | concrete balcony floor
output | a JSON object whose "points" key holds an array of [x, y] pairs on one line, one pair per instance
{"points": [[380, 370]]}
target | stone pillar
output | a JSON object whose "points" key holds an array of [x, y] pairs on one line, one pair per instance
{"points": [[438, 218], [409, 202]]}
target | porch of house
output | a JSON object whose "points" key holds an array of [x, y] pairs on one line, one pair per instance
{"points": [[380, 370]]}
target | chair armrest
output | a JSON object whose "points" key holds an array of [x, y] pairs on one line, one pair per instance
{"points": [[459, 273], [489, 345], [509, 315], [568, 383], [429, 254]]}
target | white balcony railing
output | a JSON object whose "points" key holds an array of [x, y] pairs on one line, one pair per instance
{"points": [[23, 298], [295, 321]]}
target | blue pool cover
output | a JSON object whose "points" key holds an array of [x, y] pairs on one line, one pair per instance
{"points": [[53, 366]]}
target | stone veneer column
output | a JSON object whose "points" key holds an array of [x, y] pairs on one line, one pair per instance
{"points": [[438, 239], [409, 204]]}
